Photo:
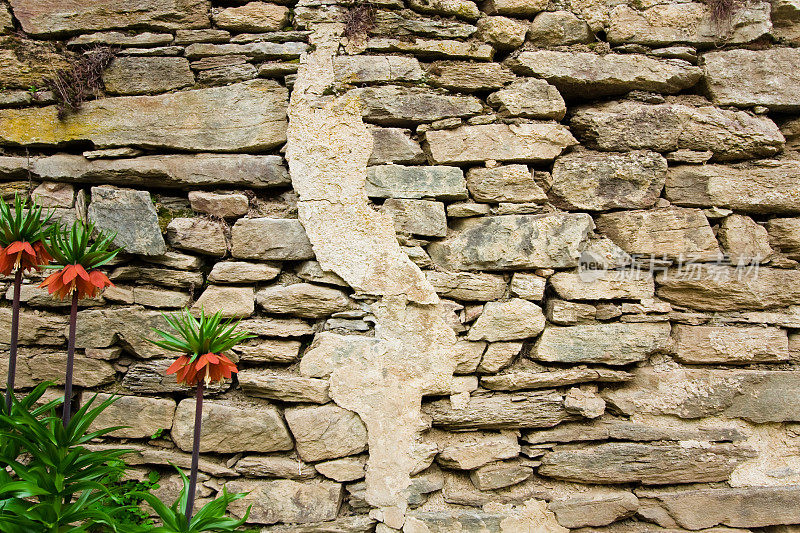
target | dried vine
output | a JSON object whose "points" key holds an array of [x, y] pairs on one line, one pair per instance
{"points": [[82, 80]]}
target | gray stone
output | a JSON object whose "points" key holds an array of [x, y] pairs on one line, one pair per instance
{"points": [[507, 183], [159, 276], [533, 142], [597, 181], [219, 205], [514, 242], [230, 302], [184, 37], [326, 432], [257, 51], [502, 32], [253, 16], [270, 239], [50, 194], [226, 75], [600, 510], [784, 235], [728, 345], [25, 62], [515, 380], [630, 125], [374, 69], [580, 73], [35, 366], [397, 181], [469, 286], [131, 326], [470, 450], [312, 271], [504, 321], [142, 416], [198, 235], [611, 344], [559, 28], [529, 98], [394, 145], [433, 48], [498, 475], [131, 216], [359, 523], [302, 299], [242, 272], [149, 378], [467, 76], [283, 386], [142, 75], [278, 327], [417, 217], [405, 22], [606, 285], [285, 500], [395, 105]]}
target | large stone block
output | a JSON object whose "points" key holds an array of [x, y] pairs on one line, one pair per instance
{"points": [[513, 380], [504, 321], [470, 450], [514, 242], [784, 235], [131, 216], [529, 98], [230, 302], [581, 73], [283, 386], [243, 117], [611, 344], [394, 145], [284, 500], [198, 235], [395, 105], [326, 432], [467, 286], [252, 17], [36, 365], [601, 510], [142, 416], [729, 345], [302, 299], [467, 76], [281, 239], [605, 285], [417, 217], [101, 328], [533, 142], [507, 183], [25, 63], [397, 181], [629, 125], [375, 69], [407, 23], [142, 75]]}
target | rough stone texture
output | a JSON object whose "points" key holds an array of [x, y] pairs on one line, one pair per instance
{"points": [[286, 500], [326, 432], [498, 475], [35, 366], [558, 28], [244, 117], [131, 216], [283, 386], [467, 285], [523, 380], [503, 321], [198, 235], [302, 299], [529, 98], [727, 345], [342, 470], [784, 235], [470, 450], [142, 75], [508, 183], [497, 411], [242, 272], [219, 205], [370, 69], [612, 344], [417, 217], [514, 242], [395, 105], [466, 76], [394, 145], [581, 73], [502, 32], [25, 63], [523, 8], [230, 302], [270, 238], [607, 285], [597, 181], [397, 181], [253, 17], [667, 127], [744, 240], [143, 416]]}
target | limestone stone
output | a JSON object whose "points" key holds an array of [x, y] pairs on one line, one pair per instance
{"points": [[504, 321], [406, 22], [650, 464], [566, 313], [142, 75], [629, 125], [243, 117], [743, 240], [374, 69], [131, 216], [584, 402], [398, 181], [467, 76], [268, 351], [285, 500], [230, 302], [471, 450], [36, 365], [219, 205], [467, 209], [498, 355], [784, 235], [533, 142], [160, 298], [270, 239], [302, 299], [283, 386], [394, 145], [359, 523], [469, 286], [142, 416], [597, 181], [25, 63], [523, 8], [498, 475], [242, 272], [529, 98], [514, 380], [417, 217], [759, 187], [576, 73], [532, 515], [528, 286], [507, 183], [159, 276], [608, 285], [277, 327], [273, 466], [344, 469], [600, 510], [686, 22], [312, 271], [502, 32], [514, 242], [467, 355], [259, 427], [6, 21], [252, 16], [438, 48], [396, 105], [498, 411], [459, 8], [198, 235], [118, 38], [728, 345], [51, 18], [257, 50], [184, 37], [326, 432], [558, 28], [50, 194], [611, 344], [141, 454], [641, 232], [132, 326]]}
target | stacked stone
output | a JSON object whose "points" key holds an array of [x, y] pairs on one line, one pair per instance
{"points": [[512, 140]]}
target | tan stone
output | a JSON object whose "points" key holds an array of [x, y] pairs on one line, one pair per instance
{"points": [[467, 286], [242, 272], [286, 501], [503, 321], [467, 76], [558, 28], [566, 313], [508, 183], [529, 98], [784, 235], [607, 285], [417, 217], [283, 386], [302, 299], [160, 298], [729, 345], [219, 205], [502, 32], [268, 350], [499, 475], [743, 240], [522, 8], [470, 450], [159, 276], [514, 379], [230, 302], [198, 235], [50, 194], [326, 432], [252, 17], [435, 48], [396, 105], [273, 466], [499, 355], [25, 63], [459, 8], [35, 366], [142, 416], [270, 239], [600, 510], [344, 469], [528, 286], [143, 75]]}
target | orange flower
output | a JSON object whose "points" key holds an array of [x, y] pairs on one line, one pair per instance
{"points": [[75, 278], [24, 255], [209, 368]]}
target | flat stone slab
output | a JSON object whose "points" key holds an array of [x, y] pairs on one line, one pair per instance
{"points": [[398, 181], [131, 216]]}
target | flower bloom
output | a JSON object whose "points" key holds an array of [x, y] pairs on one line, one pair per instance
{"points": [[209, 367], [75, 278], [24, 255]]}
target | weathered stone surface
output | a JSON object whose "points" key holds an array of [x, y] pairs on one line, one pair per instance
{"points": [[515, 380], [687, 22], [499, 355], [50, 194], [784, 235], [258, 50], [242, 272], [532, 515], [417, 217], [407, 23], [651, 464], [374, 69], [470, 450], [500, 474], [576, 74], [270, 239], [149, 378], [502, 32], [444, 49], [273, 466], [326, 432], [118, 38], [6, 21], [277, 327], [230, 302], [302, 299], [533, 142], [142, 75], [360, 523], [342, 470], [253, 16], [642, 232], [466, 76], [394, 145], [397, 181], [268, 351], [497, 411], [467, 286], [529, 98], [459, 8], [743, 240], [612, 344], [159, 276], [756, 395], [35, 366], [283, 386], [504, 321], [467, 356], [607, 285], [198, 235], [727, 345], [523, 8], [629, 125], [758, 187], [584, 402], [528, 286], [244, 117], [131, 216], [286, 501], [259, 427], [219, 205], [25, 63], [721, 288], [50, 17], [312, 272], [558, 28], [507, 183], [395, 105], [598, 181], [600, 510], [159, 298], [514, 242], [143, 416]]}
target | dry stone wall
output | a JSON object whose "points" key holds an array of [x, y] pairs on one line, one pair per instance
{"points": [[513, 266]]}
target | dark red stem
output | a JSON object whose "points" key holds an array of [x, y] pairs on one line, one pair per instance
{"points": [[12, 352], [73, 321], [198, 419]]}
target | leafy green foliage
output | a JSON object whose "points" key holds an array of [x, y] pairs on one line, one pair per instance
{"points": [[74, 246], [126, 495], [22, 221], [200, 336]]}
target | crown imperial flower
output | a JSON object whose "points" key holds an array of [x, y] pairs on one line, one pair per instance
{"points": [[22, 232]]}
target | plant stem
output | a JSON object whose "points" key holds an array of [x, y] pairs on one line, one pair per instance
{"points": [[198, 419], [12, 352], [73, 321]]}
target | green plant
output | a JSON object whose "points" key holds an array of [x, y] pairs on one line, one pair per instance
{"points": [[157, 434], [126, 495]]}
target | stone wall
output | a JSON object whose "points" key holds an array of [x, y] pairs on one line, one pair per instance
{"points": [[523, 265]]}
